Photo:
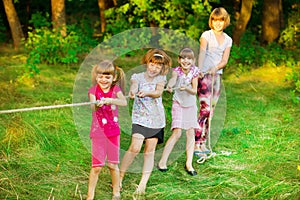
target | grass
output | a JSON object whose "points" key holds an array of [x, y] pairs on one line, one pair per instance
{"points": [[42, 156]]}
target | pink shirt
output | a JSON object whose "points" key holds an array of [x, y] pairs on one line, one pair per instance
{"points": [[105, 122]]}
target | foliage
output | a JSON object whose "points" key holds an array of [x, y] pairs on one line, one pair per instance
{"points": [[250, 54], [45, 45], [189, 17], [39, 20], [290, 36], [48, 46], [294, 77]]}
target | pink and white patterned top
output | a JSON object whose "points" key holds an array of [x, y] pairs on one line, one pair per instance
{"points": [[148, 112], [105, 122], [184, 98]]}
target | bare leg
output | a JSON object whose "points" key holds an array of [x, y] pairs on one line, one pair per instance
{"points": [[115, 177], [134, 149], [93, 179], [149, 152], [190, 140], [169, 147]]}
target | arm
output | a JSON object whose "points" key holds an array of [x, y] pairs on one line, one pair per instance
{"points": [[153, 94], [134, 87], [223, 62], [172, 81], [192, 90], [120, 100], [202, 52], [93, 99]]}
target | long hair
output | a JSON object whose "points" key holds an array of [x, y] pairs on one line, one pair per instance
{"points": [[158, 56], [108, 67]]}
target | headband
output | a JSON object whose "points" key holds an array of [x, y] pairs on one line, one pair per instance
{"points": [[159, 55]]}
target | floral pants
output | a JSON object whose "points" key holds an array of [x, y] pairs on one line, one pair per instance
{"points": [[206, 98]]}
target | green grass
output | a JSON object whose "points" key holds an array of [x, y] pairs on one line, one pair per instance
{"points": [[43, 157]]}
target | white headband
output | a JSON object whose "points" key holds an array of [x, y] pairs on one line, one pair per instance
{"points": [[159, 55]]}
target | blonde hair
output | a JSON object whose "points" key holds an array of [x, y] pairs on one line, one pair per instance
{"points": [[158, 56], [108, 67], [219, 14]]}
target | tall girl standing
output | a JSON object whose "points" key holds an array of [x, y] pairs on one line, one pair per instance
{"points": [[105, 129], [214, 53], [184, 108], [148, 116]]}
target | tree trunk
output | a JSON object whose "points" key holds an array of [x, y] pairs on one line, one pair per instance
{"points": [[101, 4], [14, 23], [271, 20], [59, 16], [243, 19]]}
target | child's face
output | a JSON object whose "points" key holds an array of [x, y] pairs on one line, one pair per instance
{"points": [[153, 69], [186, 63], [104, 81], [218, 24]]}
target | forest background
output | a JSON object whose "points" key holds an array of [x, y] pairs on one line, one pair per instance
{"points": [[44, 42]]}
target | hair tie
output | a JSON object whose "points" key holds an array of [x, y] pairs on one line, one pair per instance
{"points": [[159, 55]]}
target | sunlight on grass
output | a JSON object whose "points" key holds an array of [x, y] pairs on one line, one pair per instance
{"points": [[42, 155]]}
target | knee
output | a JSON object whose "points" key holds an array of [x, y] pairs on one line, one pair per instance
{"points": [[176, 133], [134, 149], [112, 166], [96, 170]]}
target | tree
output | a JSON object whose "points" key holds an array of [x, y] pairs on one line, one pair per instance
{"points": [[242, 20], [271, 20], [101, 4], [59, 16], [14, 23]]}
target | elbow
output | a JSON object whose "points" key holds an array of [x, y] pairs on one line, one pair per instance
{"points": [[124, 103]]}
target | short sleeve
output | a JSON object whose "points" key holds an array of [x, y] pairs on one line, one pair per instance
{"points": [[134, 77], [196, 72], [229, 43], [161, 79], [205, 35]]}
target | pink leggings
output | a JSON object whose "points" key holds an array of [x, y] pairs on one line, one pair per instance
{"points": [[206, 97]]}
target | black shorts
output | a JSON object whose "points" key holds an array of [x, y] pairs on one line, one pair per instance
{"points": [[149, 132]]}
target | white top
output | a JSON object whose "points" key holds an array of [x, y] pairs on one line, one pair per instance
{"points": [[214, 51], [148, 112]]}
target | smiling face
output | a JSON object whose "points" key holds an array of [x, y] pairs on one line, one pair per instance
{"points": [[104, 81], [186, 63], [218, 24], [186, 59], [153, 69]]}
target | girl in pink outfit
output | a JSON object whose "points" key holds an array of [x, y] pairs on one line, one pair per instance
{"points": [[184, 108], [215, 48], [105, 129]]}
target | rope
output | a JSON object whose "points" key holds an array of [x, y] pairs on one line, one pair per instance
{"points": [[46, 107], [55, 106]]}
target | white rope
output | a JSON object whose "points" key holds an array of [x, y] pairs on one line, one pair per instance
{"points": [[46, 107], [55, 106]]}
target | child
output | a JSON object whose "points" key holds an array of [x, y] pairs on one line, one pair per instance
{"points": [[214, 53], [105, 130], [184, 108], [148, 116]]}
